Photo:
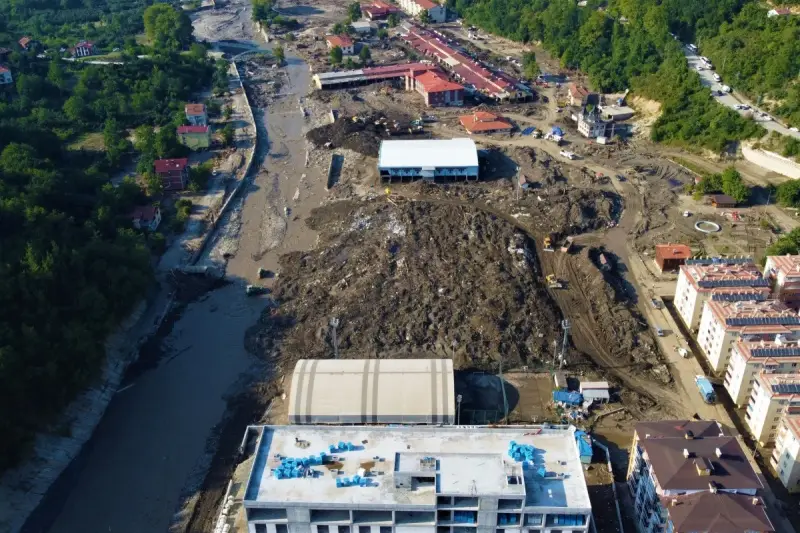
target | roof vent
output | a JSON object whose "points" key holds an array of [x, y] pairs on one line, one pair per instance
{"points": [[703, 466], [712, 487], [687, 453], [718, 452], [689, 435], [756, 501], [676, 502]]}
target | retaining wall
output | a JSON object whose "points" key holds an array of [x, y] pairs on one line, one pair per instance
{"points": [[771, 161]]}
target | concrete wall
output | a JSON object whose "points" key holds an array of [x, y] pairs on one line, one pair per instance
{"points": [[772, 162]]}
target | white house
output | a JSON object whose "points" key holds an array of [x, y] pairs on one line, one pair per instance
{"points": [[436, 12], [342, 41]]}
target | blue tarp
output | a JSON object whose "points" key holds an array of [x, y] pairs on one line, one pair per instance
{"points": [[584, 446], [528, 131], [557, 131], [571, 398]]}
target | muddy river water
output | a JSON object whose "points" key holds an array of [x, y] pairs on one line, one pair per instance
{"points": [[130, 476]]}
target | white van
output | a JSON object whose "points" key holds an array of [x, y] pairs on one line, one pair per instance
{"points": [[692, 47]]}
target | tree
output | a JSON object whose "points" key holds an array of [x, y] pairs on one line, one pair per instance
{"points": [[144, 139], [339, 28], [383, 34], [154, 185], [529, 65], [733, 186], [279, 54], [393, 20], [336, 55], [166, 143], [227, 112], [788, 193], [425, 17], [227, 134], [115, 141], [364, 55], [354, 11], [167, 28]]}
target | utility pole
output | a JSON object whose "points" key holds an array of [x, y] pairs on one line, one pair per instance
{"points": [[565, 325], [334, 323], [503, 388], [458, 409]]}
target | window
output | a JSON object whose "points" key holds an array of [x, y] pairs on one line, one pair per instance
{"points": [[773, 427], [343, 529], [386, 529], [261, 528], [794, 365], [281, 528], [322, 529], [776, 419], [364, 529]]}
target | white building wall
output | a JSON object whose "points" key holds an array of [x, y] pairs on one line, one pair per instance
{"points": [[786, 458], [763, 415], [687, 301], [714, 340]]}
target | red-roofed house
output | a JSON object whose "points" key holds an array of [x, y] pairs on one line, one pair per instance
{"points": [[26, 43], [484, 122], [342, 41], [378, 9], [195, 137], [435, 88], [5, 76], [174, 173], [196, 114], [146, 217], [779, 12], [671, 256], [436, 12], [783, 272], [82, 49], [577, 94]]}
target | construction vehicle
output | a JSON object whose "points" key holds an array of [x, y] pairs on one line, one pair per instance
{"points": [[548, 244], [705, 388], [567, 245], [553, 282]]}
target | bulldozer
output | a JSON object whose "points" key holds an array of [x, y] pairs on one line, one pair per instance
{"points": [[553, 282], [548, 244]]}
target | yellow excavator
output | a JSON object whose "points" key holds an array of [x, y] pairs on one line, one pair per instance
{"points": [[553, 282]]}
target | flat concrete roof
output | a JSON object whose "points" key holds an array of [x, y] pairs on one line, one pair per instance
{"points": [[430, 153], [469, 461], [372, 391]]}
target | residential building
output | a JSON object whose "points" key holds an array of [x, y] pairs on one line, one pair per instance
{"points": [[722, 201], [365, 76], [577, 94], [773, 397], [431, 160], [616, 113], [748, 359], [196, 114], [416, 479], [82, 49], [716, 512], [590, 122], [475, 76], [5, 76], [672, 459], [671, 256], [727, 278], [146, 217], [483, 122], [363, 27], [342, 41], [723, 323], [779, 12], [436, 12], [26, 43], [372, 391], [783, 271], [435, 88], [174, 173], [595, 391], [785, 457], [378, 9], [195, 137]]}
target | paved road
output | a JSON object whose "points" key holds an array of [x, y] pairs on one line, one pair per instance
{"points": [[731, 99]]}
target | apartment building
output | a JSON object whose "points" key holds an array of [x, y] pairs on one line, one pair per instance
{"points": [[421, 479], [672, 462], [748, 359], [436, 12], [783, 271], [785, 457], [773, 396], [729, 279], [723, 323]]}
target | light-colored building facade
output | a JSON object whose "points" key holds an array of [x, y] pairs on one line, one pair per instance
{"points": [[783, 271], [773, 396], [196, 114], [194, 137], [419, 479], [5, 76], [785, 457], [723, 323], [748, 359], [344, 42], [673, 459], [436, 12], [699, 278]]}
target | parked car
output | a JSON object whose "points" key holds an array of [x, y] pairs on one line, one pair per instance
{"points": [[795, 129], [656, 303], [716, 77], [659, 331]]}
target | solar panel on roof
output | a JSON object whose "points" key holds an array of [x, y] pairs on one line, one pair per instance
{"points": [[720, 260], [763, 321], [737, 296], [793, 351], [786, 388]]}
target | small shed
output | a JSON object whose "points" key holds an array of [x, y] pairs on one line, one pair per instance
{"points": [[596, 391], [560, 380], [722, 201], [670, 257], [569, 398], [584, 443]]}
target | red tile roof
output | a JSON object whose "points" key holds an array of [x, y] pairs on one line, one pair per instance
{"points": [[167, 165], [673, 251], [578, 91], [425, 4], [433, 82], [192, 129], [195, 109], [481, 121], [85, 44], [783, 11], [24, 41], [341, 41], [4, 69], [144, 212]]}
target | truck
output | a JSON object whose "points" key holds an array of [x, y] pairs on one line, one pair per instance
{"points": [[705, 388]]}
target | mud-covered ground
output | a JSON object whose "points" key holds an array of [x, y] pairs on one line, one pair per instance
{"points": [[409, 279]]}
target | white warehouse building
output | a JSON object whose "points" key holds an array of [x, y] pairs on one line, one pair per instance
{"points": [[419, 479], [440, 160]]}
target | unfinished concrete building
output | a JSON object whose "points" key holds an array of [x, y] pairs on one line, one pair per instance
{"points": [[372, 391], [422, 479]]}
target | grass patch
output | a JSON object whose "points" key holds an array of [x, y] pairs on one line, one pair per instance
{"points": [[700, 171], [92, 142]]}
